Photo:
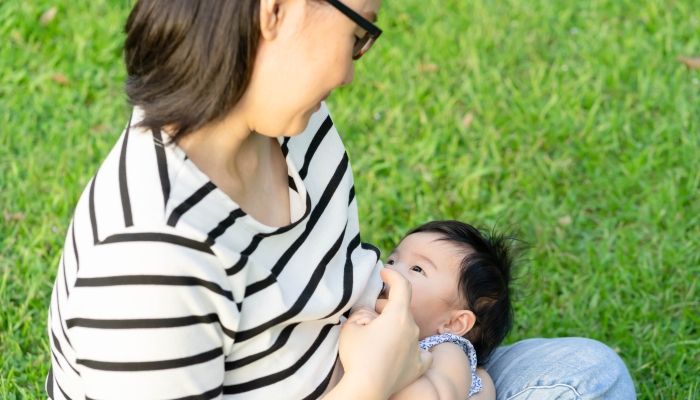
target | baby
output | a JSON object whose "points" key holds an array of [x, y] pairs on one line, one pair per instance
{"points": [[460, 279]]}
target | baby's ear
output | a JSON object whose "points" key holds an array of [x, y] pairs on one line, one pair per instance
{"points": [[461, 322]]}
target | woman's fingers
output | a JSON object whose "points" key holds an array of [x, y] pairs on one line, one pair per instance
{"points": [[379, 305], [386, 348], [400, 293], [385, 352], [362, 316], [426, 360]]}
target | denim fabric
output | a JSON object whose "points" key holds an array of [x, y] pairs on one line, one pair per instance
{"points": [[563, 369]]}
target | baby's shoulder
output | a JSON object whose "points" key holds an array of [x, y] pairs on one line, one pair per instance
{"points": [[455, 357], [459, 341], [450, 362], [452, 354]]}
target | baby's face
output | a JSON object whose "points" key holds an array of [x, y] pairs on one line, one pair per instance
{"points": [[432, 267]]}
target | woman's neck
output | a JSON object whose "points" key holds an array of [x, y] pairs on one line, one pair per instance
{"points": [[247, 166], [228, 150]]}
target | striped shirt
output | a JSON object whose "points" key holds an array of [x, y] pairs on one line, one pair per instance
{"points": [[166, 289]]}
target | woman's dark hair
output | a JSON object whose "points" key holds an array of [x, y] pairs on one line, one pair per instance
{"points": [[189, 61], [485, 278]]}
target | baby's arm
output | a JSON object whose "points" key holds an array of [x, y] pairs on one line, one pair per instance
{"points": [[449, 378], [488, 389]]}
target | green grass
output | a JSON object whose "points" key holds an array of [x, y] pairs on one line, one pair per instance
{"points": [[580, 110]]}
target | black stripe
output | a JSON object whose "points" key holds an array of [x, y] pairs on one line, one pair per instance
{"points": [[123, 186], [224, 225], [190, 202], [49, 383], [315, 215], [157, 280], [238, 266], [93, 219], [352, 195], [347, 276], [279, 343], [211, 394], [208, 395], [57, 344], [260, 285], [285, 147], [154, 323], [315, 143], [284, 374], [158, 237], [153, 365], [300, 303], [60, 319], [368, 246], [162, 161], [75, 246], [323, 385], [64, 393], [55, 358], [292, 184], [253, 245], [65, 279]]}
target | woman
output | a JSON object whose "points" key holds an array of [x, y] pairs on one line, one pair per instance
{"points": [[217, 247]]}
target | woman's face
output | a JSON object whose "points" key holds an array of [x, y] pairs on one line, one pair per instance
{"points": [[305, 52]]}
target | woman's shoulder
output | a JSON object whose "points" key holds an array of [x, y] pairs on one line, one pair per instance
{"points": [[136, 200]]}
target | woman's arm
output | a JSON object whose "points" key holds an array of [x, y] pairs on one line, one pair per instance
{"points": [[146, 324], [383, 357]]}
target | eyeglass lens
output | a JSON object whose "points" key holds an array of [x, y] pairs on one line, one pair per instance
{"points": [[362, 45]]}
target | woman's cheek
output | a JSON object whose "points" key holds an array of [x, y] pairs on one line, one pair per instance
{"points": [[349, 75]]}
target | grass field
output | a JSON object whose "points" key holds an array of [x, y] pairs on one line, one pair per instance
{"points": [[573, 120]]}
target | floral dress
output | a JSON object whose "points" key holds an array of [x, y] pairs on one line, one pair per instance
{"points": [[468, 348]]}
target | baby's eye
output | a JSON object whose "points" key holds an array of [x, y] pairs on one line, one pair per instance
{"points": [[417, 269], [390, 262]]}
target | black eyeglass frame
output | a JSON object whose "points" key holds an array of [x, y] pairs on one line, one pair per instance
{"points": [[364, 43]]}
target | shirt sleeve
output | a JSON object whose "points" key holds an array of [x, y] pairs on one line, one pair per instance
{"points": [[151, 320], [368, 298]]}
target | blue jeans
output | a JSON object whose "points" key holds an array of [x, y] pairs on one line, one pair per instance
{"points": [[563, 369]]}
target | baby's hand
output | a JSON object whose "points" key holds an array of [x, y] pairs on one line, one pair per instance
{"points": [[362, 316]]}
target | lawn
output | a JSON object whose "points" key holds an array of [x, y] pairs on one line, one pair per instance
{"points": [[571, 120]]}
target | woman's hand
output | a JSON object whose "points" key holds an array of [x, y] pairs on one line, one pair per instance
{"points": [[383, 356], [362, 316]]}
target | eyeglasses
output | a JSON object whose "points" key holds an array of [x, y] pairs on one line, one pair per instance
{"points": [[363, 44]]}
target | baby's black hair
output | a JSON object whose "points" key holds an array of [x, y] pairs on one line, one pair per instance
{"points": [[485, 280]]}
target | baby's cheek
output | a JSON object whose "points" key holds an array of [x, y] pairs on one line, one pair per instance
{"points": [[379, 305]]}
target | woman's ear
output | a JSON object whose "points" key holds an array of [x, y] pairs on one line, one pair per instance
{"points": [[270, 18], [460, 322]]}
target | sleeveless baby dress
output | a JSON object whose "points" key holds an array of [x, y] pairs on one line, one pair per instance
{"points": [[468, 348]]}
